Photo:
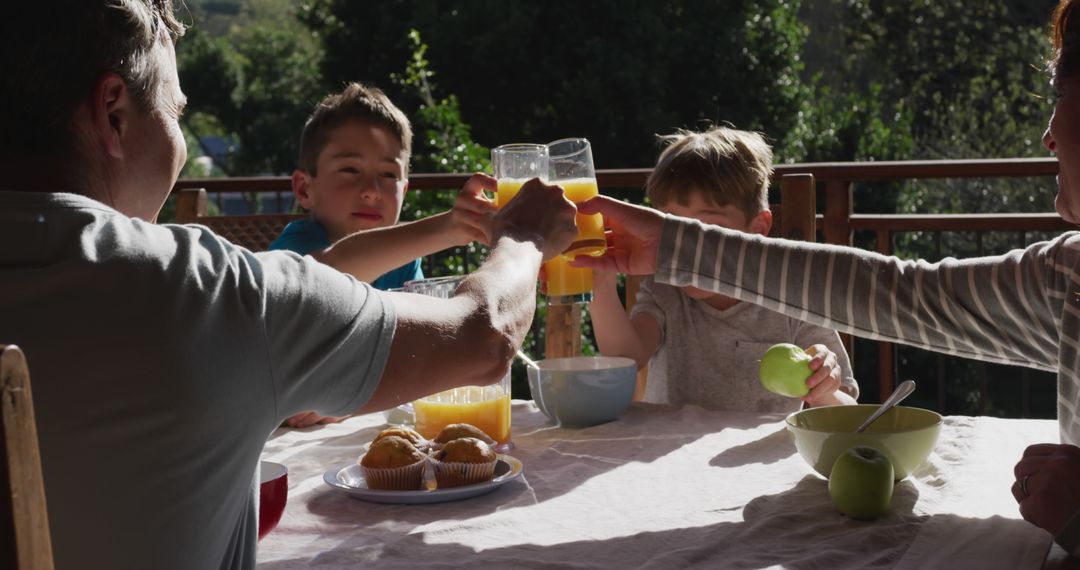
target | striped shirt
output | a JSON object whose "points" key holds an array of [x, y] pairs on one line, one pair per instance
{"points": [[1021, 308]]}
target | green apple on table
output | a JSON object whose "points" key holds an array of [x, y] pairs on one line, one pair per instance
{"points": [[861, 483], [784, 369]]}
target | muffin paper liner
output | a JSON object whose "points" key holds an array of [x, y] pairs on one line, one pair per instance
{"points": [[456, 474], [407, 478]]}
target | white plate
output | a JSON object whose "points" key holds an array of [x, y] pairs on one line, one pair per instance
{"points": [[349, 480]]}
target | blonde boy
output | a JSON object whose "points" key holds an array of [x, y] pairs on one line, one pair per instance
{"points": [[353, 175], [702, 348]]}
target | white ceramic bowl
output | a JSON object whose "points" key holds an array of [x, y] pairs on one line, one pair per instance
{"points": [[582, 391]]}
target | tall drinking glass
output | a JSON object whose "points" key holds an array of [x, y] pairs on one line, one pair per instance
{"points": [[570, 165], [486, 407], [516, 164]]}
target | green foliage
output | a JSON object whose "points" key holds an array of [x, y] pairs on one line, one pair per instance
{"points": [[865, 80], [443, 143], [443, 139], [967, 70], [614, 72], [966, 81], [258, 82]]}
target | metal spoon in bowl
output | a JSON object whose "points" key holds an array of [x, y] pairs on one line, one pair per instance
{"points": [[902, 391], [525, 358]]}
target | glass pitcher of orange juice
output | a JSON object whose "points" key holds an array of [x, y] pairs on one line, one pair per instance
{"points": [[486, 407]]}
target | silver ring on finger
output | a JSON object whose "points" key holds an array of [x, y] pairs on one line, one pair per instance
{"points": [[1023, 485]]}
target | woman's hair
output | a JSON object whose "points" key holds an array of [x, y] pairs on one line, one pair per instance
{"points": [[1066, 40]]}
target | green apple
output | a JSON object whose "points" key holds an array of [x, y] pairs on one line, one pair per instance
{"points": [[861, 483], [784, 370]]}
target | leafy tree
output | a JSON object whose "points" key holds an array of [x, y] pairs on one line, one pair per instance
{"points": [[257, 84], [965, 80], [867, 80], [615, 72]]}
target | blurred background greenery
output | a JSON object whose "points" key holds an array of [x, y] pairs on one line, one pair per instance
{"points": [[825, 80]]}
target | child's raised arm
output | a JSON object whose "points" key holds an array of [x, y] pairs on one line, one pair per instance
{"points": [[368, 254], [616, 333]]}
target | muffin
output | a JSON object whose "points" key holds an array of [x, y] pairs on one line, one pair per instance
{"points": [[458, 431], [407, 434], [463, 461], [393, 463]]}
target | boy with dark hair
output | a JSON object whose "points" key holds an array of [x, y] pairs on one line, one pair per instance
{"points": [[353, 175]]}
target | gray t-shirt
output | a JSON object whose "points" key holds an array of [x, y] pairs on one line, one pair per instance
{"points": [[161, 357], [709, 357]]}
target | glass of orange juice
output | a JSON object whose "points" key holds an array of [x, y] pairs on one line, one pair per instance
{"points": [[566, 284], [514, 165], [486, 407], [570, 165]]}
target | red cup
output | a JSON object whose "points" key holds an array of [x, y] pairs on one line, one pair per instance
{"points": [[273, 491]]}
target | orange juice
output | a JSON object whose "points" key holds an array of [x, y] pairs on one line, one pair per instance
{"points": [[486, 407], [564, 280], [590, 239], [506, 190]]}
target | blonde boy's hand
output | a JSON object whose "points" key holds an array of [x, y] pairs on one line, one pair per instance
{"points": [[470, 218], [308, 419], [825, 382]]}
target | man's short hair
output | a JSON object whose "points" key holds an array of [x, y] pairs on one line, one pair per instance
{"points": [[728, 166], [356, 102], [54, 53]]}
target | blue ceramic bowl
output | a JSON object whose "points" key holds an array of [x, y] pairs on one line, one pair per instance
{"points": [[582, 391]]}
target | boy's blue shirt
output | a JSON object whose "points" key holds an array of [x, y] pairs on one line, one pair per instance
{"points": [[306, 236]]}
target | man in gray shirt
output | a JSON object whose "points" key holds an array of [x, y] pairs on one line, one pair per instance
{"points": [[162, 355]]}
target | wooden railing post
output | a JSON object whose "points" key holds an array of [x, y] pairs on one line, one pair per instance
{"points": [[798, 207], [886, 350], [562, 333], [836, 226], [836, 229]]}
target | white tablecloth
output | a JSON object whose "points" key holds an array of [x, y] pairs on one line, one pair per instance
{"points": [[664, 488]]}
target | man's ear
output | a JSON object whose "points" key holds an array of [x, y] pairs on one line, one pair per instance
{"points": [[405, 187], [762, 223], [110, 113], [301, 188]]}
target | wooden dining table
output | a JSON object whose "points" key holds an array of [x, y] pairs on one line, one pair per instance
{"points": [[664, 487]]}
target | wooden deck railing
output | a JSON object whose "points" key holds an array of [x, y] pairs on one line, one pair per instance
{"points": [[836, 218]]}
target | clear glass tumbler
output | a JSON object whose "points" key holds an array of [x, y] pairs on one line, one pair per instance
{"points": [[514, 165], [570, 165]]}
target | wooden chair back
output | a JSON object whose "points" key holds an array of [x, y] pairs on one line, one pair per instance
{"points": [[25, 542], [254, 232]]}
